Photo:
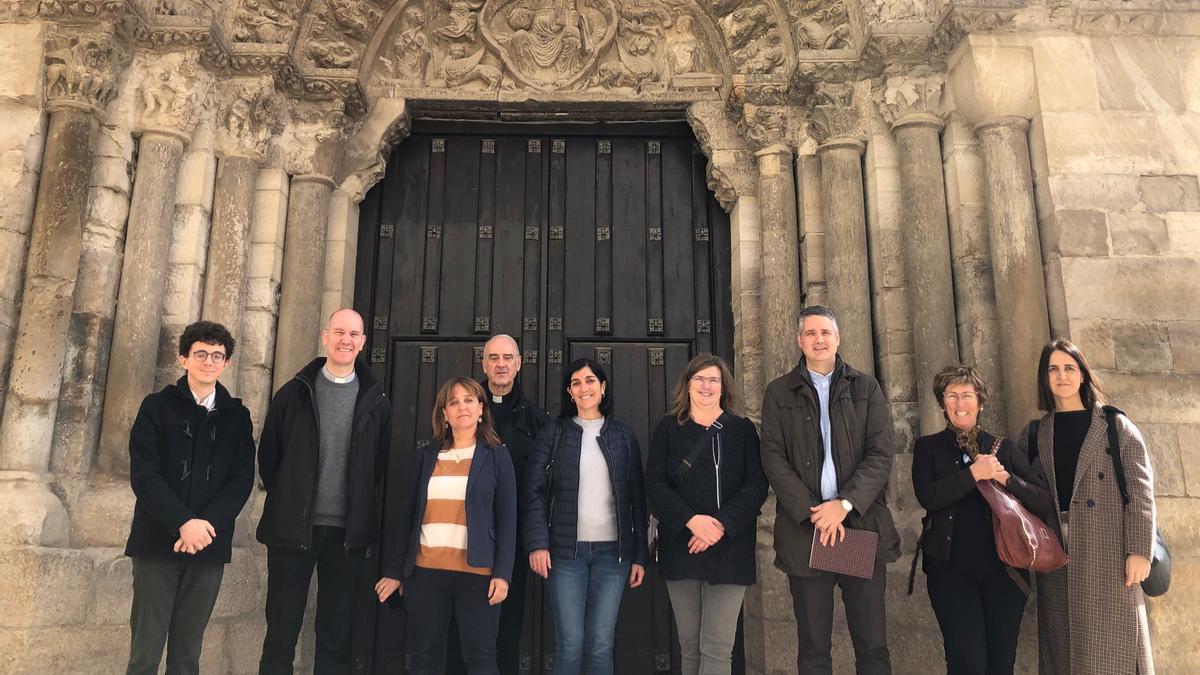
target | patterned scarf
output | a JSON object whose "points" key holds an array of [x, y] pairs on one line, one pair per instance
{"points": [[968, 441]]}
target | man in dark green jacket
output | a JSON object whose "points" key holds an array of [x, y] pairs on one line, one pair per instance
{"points": [[191, 467], [827, 452]]}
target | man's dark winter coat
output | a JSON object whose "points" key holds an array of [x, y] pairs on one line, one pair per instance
{"points": [[792, 455], [287, 460], [186, 462]]}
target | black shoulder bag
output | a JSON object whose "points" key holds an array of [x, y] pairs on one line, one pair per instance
{"points": [[703, 443], [1159, 579]]}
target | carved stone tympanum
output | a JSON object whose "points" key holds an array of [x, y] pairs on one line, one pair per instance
{"points": [[549, 44]]}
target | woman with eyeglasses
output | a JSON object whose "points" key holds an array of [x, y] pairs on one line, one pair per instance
{"points": [[1091, 613], [584, 519], [706, 484], [977, 601]]}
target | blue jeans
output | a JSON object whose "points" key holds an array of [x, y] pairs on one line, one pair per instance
{"points": [[586, 596]]}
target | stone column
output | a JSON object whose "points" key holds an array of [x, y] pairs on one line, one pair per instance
{"points": [[256, 344], [243, 130], [812, 232], [189, 250], [300, 317], [839, 127], [1016, 259], [995, 89], [913, 107], [975, 297], [780, 299], [168, 101], [341, 253], [79, 84]]}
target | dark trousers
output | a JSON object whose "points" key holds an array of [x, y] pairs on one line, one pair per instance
{"points": [[289, 572], [812, 600], [172, 601], [430, 596], [508, 641], [980, 621]]}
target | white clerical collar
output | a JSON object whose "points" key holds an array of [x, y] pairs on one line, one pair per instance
{"points": [[334, 378]]}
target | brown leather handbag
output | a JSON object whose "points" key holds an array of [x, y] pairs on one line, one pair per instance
{"points": [[1023, 541]]}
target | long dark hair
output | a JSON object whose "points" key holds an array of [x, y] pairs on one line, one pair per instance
{"points": [[681, 404], [442, 436], [569, 409], [1090, 392]]}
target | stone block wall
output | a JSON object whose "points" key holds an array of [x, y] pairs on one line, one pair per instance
{"points": [[22, 136]]}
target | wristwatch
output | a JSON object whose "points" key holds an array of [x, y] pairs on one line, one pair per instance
{"points": [[846, 505]]}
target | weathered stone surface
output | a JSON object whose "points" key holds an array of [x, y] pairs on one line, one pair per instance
{"points": [[1170, 193], [1136, 233], [1079, 233], [101, 516], [41, 587], [1164, 398], [780, 277], [1095, 191], [1142, 345], [1138, 73], [1132, 288], [1183, 229], [1165, 458], [303, 276], [1095, 339], [140, 301], [94, 649], [1189, 455], [848, 285], [1185, 345]]}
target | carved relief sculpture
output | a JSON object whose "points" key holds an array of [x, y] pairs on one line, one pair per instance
{"points": [[549, 44], [459, 68], [462, 21], [639, 30], [754, 39], [265, 21], [821, 24], [168, 93], [79, 71], [250, 118], [411, 52]]}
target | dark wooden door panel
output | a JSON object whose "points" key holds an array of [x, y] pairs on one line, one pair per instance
{"points": [[599, 240]]}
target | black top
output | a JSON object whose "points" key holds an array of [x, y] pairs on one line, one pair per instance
{"points": [[1069, 430], [733, 495], [958, 528]]}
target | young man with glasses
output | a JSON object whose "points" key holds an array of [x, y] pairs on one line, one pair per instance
{"points": [[191, 466], [322, 456]]}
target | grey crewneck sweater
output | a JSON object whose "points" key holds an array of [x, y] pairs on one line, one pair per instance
{"points": [[335, 407]]}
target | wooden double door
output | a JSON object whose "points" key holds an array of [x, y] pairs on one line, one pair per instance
{"points": [[597, 240]]}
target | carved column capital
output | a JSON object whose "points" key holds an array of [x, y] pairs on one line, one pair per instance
{"points": [[248, 113], [764, 126], [81, 71], [837, 114], [312, 137], [172, 92], [908, 100], [731, 165], [367, 151]]}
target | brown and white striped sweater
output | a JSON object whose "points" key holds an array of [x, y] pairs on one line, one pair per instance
{"points": [[444, 527]]}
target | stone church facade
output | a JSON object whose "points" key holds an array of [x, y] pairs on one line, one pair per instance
{"points": [[959, 179]]}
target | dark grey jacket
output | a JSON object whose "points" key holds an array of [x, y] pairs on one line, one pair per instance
{"points": [[792, 455]]}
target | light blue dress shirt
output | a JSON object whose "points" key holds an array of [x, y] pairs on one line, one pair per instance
{"points": [[829, 486]]}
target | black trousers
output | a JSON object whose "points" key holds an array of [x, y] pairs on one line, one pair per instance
{"points": [[430, 596], [508, 641], [289, 572], [172, 602], [980, 620], [812, 600]]}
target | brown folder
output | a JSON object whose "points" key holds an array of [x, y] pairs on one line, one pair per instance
{"points": [[854, 556]]}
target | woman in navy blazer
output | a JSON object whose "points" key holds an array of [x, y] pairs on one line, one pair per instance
{"points": [[458, 534]]}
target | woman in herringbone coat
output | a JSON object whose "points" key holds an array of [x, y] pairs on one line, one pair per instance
{"points": [[1091, 613]]}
